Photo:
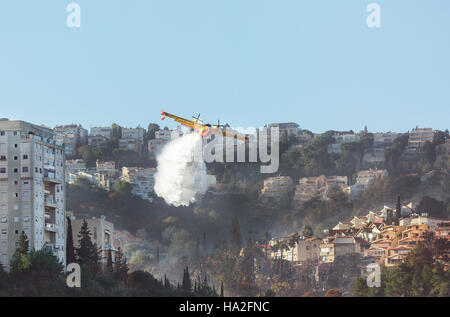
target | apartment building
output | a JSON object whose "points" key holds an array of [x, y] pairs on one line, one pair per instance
{"points": [[32, 191], [340, 139], [383, 139], [306, 249], [130, 144], [72, 136], [154, 146], [286, 128], [106, 167], [364, 179], [97, 140], [141, 178], [102, 234], [310, 187], [137, 133], [103, 131], [418, 137], [276, 188], [73, 166], [374, 158], [164, 135], [332, 247]]}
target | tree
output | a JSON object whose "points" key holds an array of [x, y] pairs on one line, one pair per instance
{"points": [[109, 263], [87, 252], [221, 289], [398, 211], [333, 293], [20, 261], [236, 238], [187, 283], [389, 217], [120, 266], [152, 128], [307, 231], [70, 250]]}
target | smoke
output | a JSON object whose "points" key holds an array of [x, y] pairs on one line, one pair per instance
{"points": [[181, 176]]}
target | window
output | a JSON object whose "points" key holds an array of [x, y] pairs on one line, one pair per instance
{"points": [[2, 133], [26, 219], [2, 170], [16, 170], [25, 157], [16, 219], [15, 133], [3, 220], [25, 169], [15, 146], [15, 158], [4, 231], [16, 232], [2, 158]]}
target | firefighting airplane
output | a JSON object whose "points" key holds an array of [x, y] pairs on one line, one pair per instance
{"points": [[204, 129]]}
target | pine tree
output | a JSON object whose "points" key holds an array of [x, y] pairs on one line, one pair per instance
{"points": [[398, 211], [23, 243], [389, 217], [221, 289], [157, 256], [87, 252], [20, 261], [187, 284], [204, 247], [70, 251], [109, 263], [236, 238], [120, 266]]}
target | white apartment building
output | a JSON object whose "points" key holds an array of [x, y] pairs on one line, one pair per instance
{"points": [[340, 139], [107, 167], [141, 178], [32, 191], [137, 134], [418, 137], [276, 188], [73, 166], [364, 179], [103, 131], [164, 135], [310, 187], [382, 139], [71, 136], [102, 234]]}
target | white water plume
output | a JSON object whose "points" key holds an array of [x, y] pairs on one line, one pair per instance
{"points": [[181, 176]]}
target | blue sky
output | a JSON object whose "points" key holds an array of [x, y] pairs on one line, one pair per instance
{"points": [[247, 62]]}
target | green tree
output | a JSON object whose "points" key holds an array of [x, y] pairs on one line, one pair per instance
{"points": [[70, 250], [20, 261], [235, 237], [87, 252]]}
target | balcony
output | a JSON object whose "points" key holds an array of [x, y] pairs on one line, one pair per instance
{"points": [[50, 227], [50, 202]]}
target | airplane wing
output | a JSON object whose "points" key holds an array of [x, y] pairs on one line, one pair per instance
{"points": [[226, 133], [183, 121]]}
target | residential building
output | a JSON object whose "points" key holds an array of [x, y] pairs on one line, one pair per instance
{"points": [[103, 131], [277, 188], [32, 191], [107, 167], [306, 249], [374, 158], [423, 219], [141, 178], [137, 133], [341, 138], [417, 139], [73, 166], [154, 146], [332, 247], [286, 128], [102, 234], [98, 140], [384, 139], [364, 179], [310, 187], [72, 136], [130, 144], [164, 135]]}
